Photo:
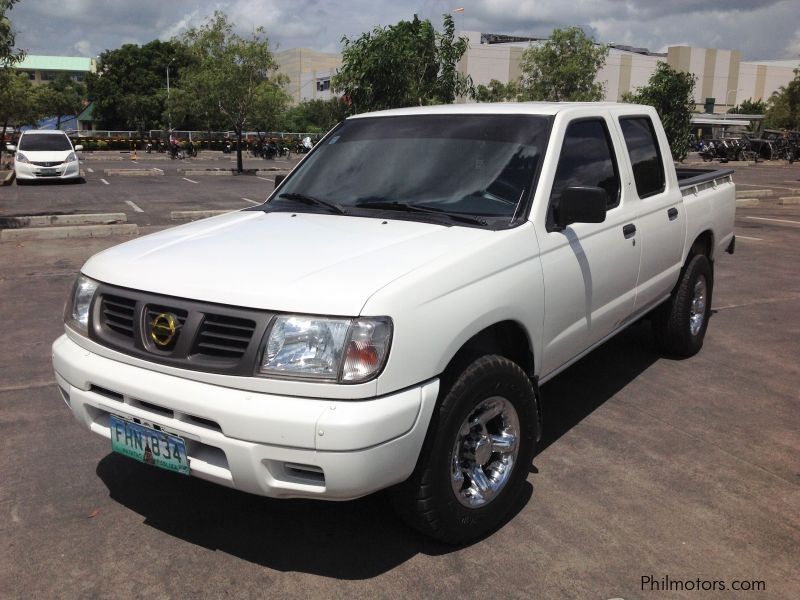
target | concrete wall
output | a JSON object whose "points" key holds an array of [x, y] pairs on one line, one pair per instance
{"points": [[301, 66]]}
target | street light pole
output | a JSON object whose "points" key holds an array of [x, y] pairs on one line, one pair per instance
{"points": [[169, 108], [727, 96]]}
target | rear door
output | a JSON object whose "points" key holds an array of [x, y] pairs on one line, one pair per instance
{"points": [[590, 269], [660, 216]]}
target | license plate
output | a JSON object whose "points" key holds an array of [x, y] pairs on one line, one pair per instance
{"points": [[149, 445]]}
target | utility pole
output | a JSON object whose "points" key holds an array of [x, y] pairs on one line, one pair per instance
{"points": [[169, 108]]}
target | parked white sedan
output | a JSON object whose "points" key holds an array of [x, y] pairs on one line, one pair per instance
{"points": [[45, 154]]}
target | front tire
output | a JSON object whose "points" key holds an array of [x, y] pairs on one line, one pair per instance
{"points": [[476, 456], [680, 323]]}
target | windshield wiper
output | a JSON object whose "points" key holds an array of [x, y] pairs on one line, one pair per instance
{"points": [[305, 199], [403, 206]]}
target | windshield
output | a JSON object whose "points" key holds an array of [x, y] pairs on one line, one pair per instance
{"points": [[481, 165], [44, 142]]}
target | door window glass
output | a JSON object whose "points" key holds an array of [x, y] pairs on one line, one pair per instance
{"points": [[642, 144], [587, 159]]}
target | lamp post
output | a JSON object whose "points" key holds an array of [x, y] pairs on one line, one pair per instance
{"points": [[169, 108], [727, 96]]}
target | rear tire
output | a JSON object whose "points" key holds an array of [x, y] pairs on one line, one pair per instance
{"points": [[476, 456], [680, 323]]}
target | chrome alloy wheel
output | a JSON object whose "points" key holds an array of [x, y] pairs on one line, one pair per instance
{"points": [[484, 452], [697, 312]]}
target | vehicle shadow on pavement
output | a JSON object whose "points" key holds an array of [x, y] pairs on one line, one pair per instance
{"points": [[352, 540], [577, 392]]}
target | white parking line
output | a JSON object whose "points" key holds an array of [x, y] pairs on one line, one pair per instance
{"points": [[190, 180], [250, 201], [133, 205], [744, 237], [265, 179], [90, 170], [104, 181], [774, 220]]}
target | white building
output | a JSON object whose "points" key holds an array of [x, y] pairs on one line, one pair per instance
{"points": [[720, 73]]}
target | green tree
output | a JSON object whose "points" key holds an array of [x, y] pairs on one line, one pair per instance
{"points": [[129, 88], [406, 64], [563, 68], [270, 103], [783, 108], [314, 116], [671, 92], [749, 107], [18, 100], [230, 73], [8, 54], [62, 97], [497, 91]]}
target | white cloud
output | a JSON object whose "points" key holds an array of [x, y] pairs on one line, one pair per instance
{"points": [[760, 29]]}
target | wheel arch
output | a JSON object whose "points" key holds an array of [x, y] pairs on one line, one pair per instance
{"points": [[702, 244], [505, 338]]}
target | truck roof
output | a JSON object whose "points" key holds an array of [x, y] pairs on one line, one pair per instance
{"points": [[482, 108]]}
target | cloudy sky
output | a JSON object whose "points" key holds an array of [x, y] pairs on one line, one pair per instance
{"points": [[759, 29]]}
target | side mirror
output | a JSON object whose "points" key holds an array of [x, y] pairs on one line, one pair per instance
{"points": [[278, 179], [11, 148], [581, 205], [78, 148]]}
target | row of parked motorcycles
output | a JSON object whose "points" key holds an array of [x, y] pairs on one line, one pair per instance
{"points": [[272, 148], [746, 148], [725, 150]]}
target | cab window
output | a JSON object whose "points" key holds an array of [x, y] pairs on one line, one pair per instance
{"points": [[587, 159], [642, 144]]}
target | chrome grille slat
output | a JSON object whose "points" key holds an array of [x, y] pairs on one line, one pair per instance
{"points": [[215, 338]]}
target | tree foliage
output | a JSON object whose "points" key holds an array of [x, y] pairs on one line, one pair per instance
{"points": [[749, 107], [8, 54], [671, 92], [62, 97], [407, 64], [497, 91], [563, 68], [231, 75], [314, 116], [783, 108], [19, 103], [129, 89]]}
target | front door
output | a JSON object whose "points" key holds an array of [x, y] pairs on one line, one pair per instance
{"points": [[590, 269]]}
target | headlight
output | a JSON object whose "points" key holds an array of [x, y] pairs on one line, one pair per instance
{"points": [[76, 312], [326, 349], [22, 158], [71, 157]]}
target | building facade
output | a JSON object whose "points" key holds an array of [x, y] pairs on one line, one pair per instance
{"points": [[44, 69], [721, 74], [309, 73]]}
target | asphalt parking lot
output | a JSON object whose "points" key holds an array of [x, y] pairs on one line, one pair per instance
{"points": [[649, 467], [148, 199]]}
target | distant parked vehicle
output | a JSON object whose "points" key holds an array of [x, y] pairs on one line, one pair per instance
{"points": [[45, 154]]}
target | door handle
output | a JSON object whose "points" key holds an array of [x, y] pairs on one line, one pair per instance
{"points": [[672, 213], [629, 230]]}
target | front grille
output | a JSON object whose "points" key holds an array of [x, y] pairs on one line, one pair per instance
{"points": [[210, 337], [46, 164], [118, 314], [224, 337]]}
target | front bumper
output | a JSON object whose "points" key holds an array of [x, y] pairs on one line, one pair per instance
{"points": [[277, 446], [29, 171]]}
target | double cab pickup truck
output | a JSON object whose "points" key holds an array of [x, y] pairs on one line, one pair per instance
{"points": [[386, 317]]}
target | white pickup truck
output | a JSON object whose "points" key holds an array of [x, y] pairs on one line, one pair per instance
{"points": [[385, 318]]}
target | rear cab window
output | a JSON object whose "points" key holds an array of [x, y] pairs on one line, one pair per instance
{"points": [[587, 159], [645, 155]]}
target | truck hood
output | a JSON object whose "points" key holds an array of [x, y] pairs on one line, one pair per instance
{"points": [[296, 262]]}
